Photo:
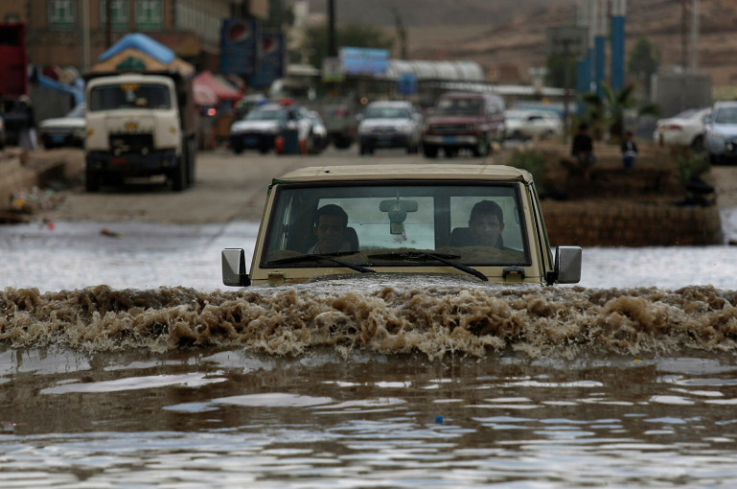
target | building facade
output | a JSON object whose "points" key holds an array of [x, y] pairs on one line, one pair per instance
{"points": [[75, 32]]}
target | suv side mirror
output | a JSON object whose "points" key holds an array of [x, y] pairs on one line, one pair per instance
{"points": [[234, 268], [568, 264]]}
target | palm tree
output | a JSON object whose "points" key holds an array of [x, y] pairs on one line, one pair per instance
{"points": [[608, 112]]}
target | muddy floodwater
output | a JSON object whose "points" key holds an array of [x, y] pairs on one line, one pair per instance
{"points": [[124, 363]]}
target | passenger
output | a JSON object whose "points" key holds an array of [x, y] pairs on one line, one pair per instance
{"points": [[583, 150], [330, 228], [486, 224]]}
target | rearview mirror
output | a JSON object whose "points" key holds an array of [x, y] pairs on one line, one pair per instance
{"points": [[234, 268]]}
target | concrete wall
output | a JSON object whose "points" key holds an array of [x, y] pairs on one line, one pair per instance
{"points": [[631, 224]]}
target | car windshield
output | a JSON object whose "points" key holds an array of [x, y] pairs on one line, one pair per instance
{"points": [[460, 106], [398, 225], [266, 115], [726, 115], [130, 96], [77, 112], [387, 113]]}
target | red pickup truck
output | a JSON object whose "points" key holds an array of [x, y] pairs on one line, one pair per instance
{"points": [[464, 121]]}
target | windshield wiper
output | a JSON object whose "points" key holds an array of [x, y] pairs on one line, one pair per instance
{"points": [[441, 257], [316, 257]]}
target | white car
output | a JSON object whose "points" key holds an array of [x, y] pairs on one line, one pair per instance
{"points": [[527, 124], [684, 129], [260, 128], [64, 131], [395, 124], [721, 133]]}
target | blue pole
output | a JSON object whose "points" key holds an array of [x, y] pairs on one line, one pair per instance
{"points": [[600, 57], [583, 78], [617, 52]]}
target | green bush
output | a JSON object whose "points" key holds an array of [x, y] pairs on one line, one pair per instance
{"points": [[691, 165], [531, 161]]}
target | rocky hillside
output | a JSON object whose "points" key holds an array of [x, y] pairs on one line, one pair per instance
{"points": [[507, 36]]}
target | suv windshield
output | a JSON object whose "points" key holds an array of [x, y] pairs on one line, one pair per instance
{"points": [[129, 96], [383, 225], [726, 115], [386, 113], [460, 106]]}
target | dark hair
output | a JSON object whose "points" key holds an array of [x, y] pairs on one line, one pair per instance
{"points": [[583, 126], [331, 210], [486, 207]]}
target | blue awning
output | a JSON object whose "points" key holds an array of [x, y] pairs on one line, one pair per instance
{"points": [[47, 82], [143, 43]]}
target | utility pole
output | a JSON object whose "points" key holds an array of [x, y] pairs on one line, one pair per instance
{"points": [[695, 35], [684, 34], [332, 44]]}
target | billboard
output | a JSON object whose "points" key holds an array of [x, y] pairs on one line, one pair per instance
{"points": [[271, 65], [239, 44], [363, 61]]}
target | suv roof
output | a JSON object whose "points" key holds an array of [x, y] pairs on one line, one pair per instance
{"points": [[405, 171]]}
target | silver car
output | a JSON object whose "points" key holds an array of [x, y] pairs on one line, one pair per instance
{"points": [[721, 133], [390, 125]]}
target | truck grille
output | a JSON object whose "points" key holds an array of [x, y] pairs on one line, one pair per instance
{"points": [[131, 143], [450, 128]]}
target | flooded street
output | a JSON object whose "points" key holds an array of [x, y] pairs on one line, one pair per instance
{"points": [[125, 363]]}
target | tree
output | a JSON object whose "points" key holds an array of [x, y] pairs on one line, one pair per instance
{"points": [[644, 62], [608, 112], [353, 35]]}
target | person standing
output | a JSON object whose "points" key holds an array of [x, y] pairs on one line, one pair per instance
{"points": [[629, 151], [27, 137], [583, 150]]}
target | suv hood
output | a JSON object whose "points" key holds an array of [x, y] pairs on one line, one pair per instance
{"points": [[255, 126], [725, 130], [63, 123]]}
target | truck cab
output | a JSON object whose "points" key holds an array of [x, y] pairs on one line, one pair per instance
{"points": [[406, 220]]}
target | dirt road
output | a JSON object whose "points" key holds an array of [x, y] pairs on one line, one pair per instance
{"points": [[231, 187], [228, 188]]}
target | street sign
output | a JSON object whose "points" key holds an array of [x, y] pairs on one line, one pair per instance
{"points": [[569, 40]]}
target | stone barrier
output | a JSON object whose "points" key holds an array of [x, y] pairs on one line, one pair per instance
{"points": [[623, 223]]}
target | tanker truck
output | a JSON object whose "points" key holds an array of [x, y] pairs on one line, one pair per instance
{"points": [[140, 116]]}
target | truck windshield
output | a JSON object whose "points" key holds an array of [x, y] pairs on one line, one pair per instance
{"points": [[476, 224], [130, 96]]}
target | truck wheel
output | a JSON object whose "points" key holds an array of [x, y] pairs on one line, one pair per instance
{"points": [[91, 180], [179, 175], [191, 163], [430, 151], [451, 152]]}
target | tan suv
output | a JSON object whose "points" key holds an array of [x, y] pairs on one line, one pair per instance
{"points": [[479, 221]]}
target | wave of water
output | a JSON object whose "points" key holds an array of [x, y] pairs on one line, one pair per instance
{"points": [[433, 318]]}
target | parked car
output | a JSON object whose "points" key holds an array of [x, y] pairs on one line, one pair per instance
{"points": [[395, 124], [479, 223], [721, 133], [684, 129], [464, 121], [64, 131], [526, 124], [263, 124]]}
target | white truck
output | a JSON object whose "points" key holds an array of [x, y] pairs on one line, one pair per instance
{"points": [[139, 124]]}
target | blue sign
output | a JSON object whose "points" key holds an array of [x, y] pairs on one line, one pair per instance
{"points": [[362, 61], [271, 66], [239, 40], [407, 83]]}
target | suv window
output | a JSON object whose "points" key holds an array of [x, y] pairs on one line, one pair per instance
{"points": [[421, 216]]}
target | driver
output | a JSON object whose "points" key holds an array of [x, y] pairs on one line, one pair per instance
{"points": [[330, 228]]}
